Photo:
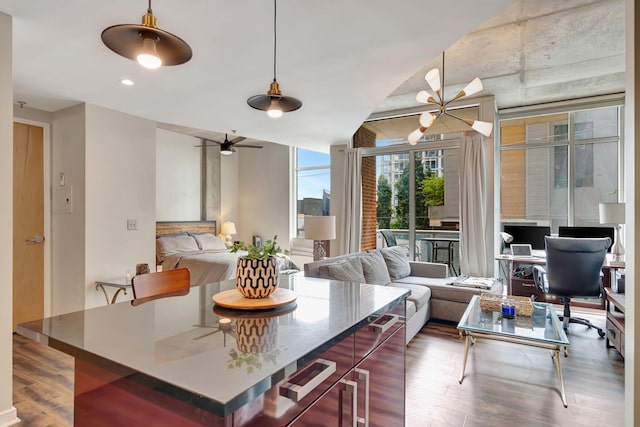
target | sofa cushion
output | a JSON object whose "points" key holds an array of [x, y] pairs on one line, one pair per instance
{"points": [[397, 262], [410, 309], [443, 289], [374, 268], [420, 295], [349, 269]]}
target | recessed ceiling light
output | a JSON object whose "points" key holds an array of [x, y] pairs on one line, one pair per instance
{"points": [[127, 82]]}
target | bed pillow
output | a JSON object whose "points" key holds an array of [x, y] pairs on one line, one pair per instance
{"points": [[208, 241], [173, 243]]}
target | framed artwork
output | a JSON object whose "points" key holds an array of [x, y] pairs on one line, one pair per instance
{"points": [[257, 241]]}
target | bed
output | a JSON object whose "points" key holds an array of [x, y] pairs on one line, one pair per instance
{"points": [[195, 245]]}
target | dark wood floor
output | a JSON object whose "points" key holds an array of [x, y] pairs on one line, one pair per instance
{"points": [[505, 384], [509, 384]]}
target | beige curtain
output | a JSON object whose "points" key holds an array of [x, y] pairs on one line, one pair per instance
{"points": [[350, 219], [473, 210]]}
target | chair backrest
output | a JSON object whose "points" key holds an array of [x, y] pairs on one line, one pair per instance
{"points": [[389, 237], [574, 265], [147, 287]]}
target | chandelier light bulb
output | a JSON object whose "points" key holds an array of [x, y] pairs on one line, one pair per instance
{"points": [[433, 79], [424, 97], [484, 128], [473, 87], [415, 136], [148, 56], [426, 119]]}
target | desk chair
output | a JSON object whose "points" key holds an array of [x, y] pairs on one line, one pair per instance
{"points": [[150, 286], [573, 270]]}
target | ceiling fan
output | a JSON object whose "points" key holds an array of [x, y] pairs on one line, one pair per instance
{"points": [[227, 147]]}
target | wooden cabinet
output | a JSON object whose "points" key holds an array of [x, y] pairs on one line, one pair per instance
{"points": [[615, 320], [371, 394]]}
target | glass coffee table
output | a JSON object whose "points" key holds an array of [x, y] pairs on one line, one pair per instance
{"points": [[543, 329]]}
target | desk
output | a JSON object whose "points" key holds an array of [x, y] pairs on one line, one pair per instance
{"points": [[616, 304], [443, 244], [159, 364], [120, 284], [526, 287]]}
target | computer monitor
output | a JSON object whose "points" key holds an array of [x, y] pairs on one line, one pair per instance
{"points": [[531, 234], [585, 232]]}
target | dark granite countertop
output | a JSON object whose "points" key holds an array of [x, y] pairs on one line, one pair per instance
{"points": [[181, 342]]}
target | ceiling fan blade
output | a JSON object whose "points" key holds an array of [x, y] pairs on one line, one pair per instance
{"points": [[238, 139], [247, 146], [211, 140]]}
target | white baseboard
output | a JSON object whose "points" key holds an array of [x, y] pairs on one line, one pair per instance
{"points": [[9, 417]]}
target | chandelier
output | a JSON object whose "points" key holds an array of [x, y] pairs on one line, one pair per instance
{"points": [[436, 84]]}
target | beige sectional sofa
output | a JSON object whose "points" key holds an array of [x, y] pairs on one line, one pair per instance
{"points": [[432, 291]]}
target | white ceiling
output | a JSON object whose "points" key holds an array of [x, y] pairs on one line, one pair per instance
{"points": [[343, 59]]}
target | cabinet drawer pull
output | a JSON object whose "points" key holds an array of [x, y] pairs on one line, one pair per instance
{"points": [[348, 391], [307, 380], [528, 285], [362, 375], [383, 323]]}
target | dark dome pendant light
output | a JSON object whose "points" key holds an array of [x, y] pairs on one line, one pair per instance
{"points": [[274, 102]]}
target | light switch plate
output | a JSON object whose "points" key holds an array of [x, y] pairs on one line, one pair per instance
{"points": [[132, 224]]}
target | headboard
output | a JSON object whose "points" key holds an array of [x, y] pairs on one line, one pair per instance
{"points": [[173, 227]]}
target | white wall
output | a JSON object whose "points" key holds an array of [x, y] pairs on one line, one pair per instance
{"points": [[177, 177], [263, 193], [120, 185], [67, 229], [7, 411]]}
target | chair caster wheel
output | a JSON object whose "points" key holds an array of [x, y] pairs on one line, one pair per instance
{"points": [[601, 333]]}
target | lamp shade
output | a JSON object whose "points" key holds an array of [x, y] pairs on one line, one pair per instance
{"points": [[319, 227], [228, 227], [612, 213]]}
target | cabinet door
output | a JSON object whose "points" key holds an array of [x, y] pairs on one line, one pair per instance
{"points": [[381, 384], [338, 407]]}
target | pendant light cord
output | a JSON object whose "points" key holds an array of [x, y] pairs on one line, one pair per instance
{"points": [[275, 39], [442, 83], [149, 8]]}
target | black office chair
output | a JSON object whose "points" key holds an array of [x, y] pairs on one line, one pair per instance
{"points": [[573, 270]]}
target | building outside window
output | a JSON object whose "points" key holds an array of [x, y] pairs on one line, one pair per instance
{"points": [[313, 186], [557, 168]]}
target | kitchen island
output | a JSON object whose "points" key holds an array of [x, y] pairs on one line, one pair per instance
{"points": [[333, 357]]}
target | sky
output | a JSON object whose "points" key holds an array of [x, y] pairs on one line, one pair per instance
{"points": [[312, 182]]}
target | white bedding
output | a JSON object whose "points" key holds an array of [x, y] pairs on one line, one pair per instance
{"points": [[215, 265]]}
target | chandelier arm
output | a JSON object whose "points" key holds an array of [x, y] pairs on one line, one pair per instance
{"points": [[468, 122]]}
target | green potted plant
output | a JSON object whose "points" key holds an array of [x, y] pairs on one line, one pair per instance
{"points": [[257, 272]]}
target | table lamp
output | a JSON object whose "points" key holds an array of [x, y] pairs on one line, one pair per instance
{"points": [[319, 229], [228, 228], [613, 213]]}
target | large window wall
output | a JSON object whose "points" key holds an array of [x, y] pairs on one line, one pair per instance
{"points": [[313, 185], [557, 168]]}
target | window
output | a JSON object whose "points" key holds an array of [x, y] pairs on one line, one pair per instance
{"points": [[557, 168], [313, 186]]}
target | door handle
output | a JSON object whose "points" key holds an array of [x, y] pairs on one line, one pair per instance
{"points": [[348, 392], [35, 239], [363, 375]]}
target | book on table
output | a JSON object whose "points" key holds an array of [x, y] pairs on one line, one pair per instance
{"points": [[474, 282]]}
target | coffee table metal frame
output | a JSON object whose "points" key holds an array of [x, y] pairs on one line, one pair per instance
{"points": [[471, 332]]}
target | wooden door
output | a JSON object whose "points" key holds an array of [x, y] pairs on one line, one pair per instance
{"points": [[28, 223]]}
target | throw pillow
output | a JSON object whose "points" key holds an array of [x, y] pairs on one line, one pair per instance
{"points": [[349, 270], [374, 268], [397, 261]]}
